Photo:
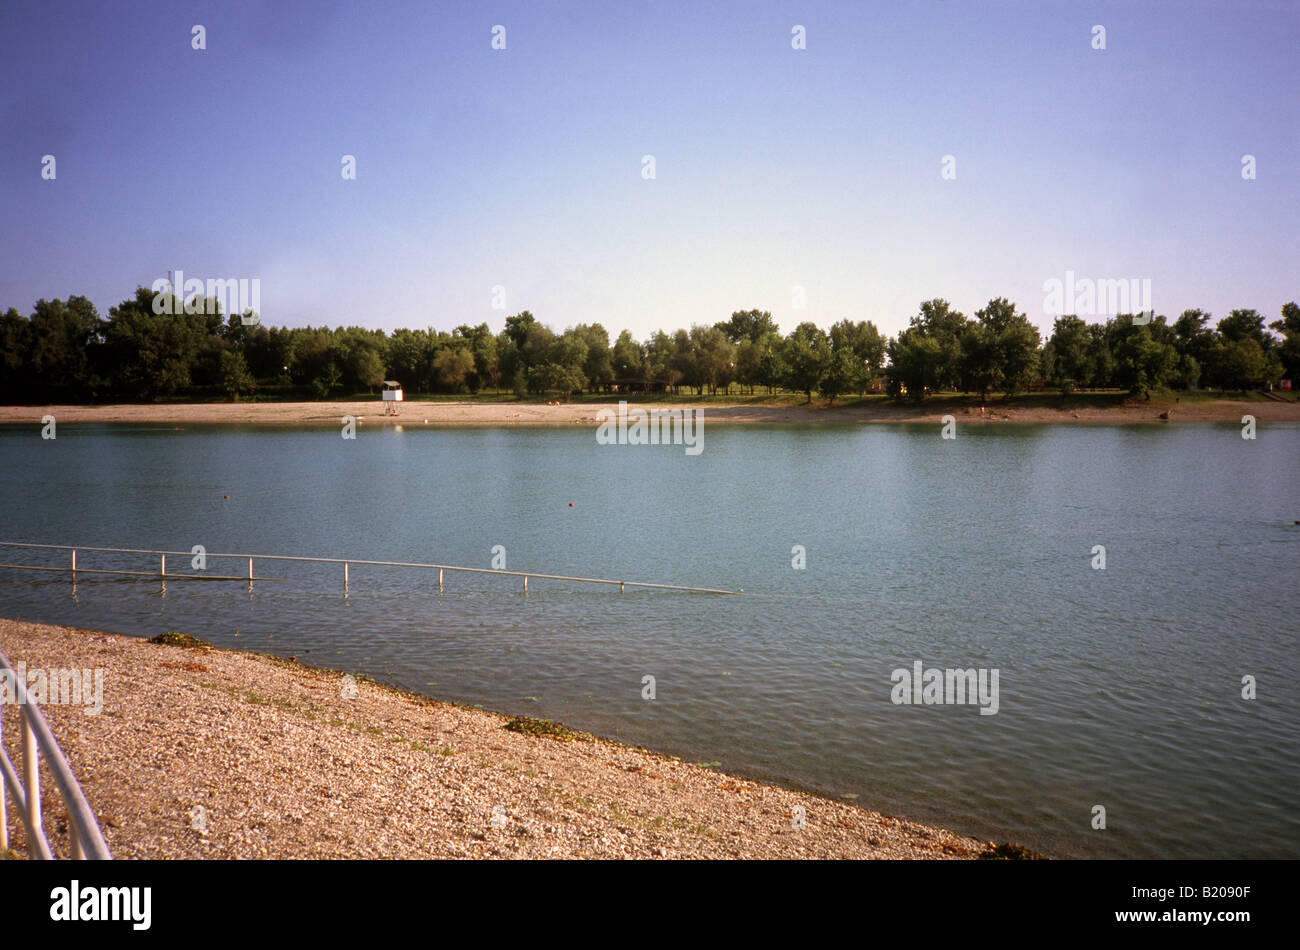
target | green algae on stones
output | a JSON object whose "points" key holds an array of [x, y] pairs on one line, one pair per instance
{"points": [[547, 728], [174, 639]]}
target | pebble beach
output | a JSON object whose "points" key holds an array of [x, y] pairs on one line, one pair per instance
{"points": [[200, 752]]}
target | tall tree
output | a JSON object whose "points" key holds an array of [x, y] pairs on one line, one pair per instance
{"points": [[1288, 350], [750, 325], [715, 356], [807, 354], [945, 326], [916, 360], [1065, 357], [628, 358], [1141, 363], [863, 348]]}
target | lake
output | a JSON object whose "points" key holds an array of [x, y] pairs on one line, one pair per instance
{"points": [[1119, 687]]}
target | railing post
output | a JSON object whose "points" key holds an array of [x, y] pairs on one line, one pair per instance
{"points": [[250, 573], [31, 777], [620, 587], [345, 577], [440, 580], [525, 583], [74, 563], [4, 801]]}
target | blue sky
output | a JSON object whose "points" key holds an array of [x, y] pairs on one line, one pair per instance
{"points": [[775, 168]]}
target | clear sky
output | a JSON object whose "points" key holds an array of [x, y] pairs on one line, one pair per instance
{"points": [[774, 167]]}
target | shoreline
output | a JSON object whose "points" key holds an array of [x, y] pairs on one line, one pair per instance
{"points": [[468, 414], [273, 759]]}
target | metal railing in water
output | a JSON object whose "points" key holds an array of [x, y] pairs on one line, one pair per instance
{"points": [[84, 834], [346, 562]]}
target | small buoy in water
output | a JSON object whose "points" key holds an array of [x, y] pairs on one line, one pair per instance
{"points": [[227, 497], [571, 505]]}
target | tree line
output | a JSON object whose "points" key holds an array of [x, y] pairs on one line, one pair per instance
{"points": [[65, 351]]}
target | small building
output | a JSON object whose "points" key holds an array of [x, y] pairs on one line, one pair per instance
{"points": [[392, 395]]}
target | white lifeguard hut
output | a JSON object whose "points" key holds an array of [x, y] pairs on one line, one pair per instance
{"points": [[392, 395]]}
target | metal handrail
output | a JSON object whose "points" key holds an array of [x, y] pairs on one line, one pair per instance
{"points": [[86, 837], [348, 561]]}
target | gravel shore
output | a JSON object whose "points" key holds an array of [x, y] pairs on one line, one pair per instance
{"points": [[207, 753], [416, 414]]}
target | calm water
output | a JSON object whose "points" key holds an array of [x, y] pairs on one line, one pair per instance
{"points": [[1118, 687]]}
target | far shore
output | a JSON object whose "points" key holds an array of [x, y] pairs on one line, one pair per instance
{"points": [[201, 752], [507, 414]]}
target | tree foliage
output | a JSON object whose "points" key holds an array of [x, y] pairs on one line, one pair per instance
{"points": [[64, 350]]}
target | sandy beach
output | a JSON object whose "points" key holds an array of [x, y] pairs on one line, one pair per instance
{"points": [[208, 753], [524, 414]]}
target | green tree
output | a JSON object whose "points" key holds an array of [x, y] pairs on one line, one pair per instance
{"points": [[16, 382], [59, 339], [1101, 359], [327, 381], [661, 360], [369, 369], [750, 325], [1192, 336], [772, 366], [1288, 350], [510, 363], [916, 360], [685, 361], [981, 359], [1244, 325], [807, 355], [518, 326], [235, 377], [627, 359], [1141, 363], [598, 365], [1018, 344], [406, 358], [714, 357], [999, 350], [153, 354], [1065, 357], [556, 377], [945, 326], [452, 367], [842, 374], [749, 363], [563, 366], [1242, 364], [483, 347], [864, 350]]}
